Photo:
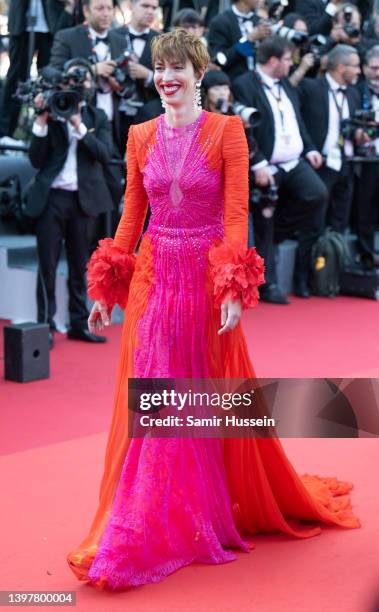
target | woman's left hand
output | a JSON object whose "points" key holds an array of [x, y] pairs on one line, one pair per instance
{"points": [[230, 315]]}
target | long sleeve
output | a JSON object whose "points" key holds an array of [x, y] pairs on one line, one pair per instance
{"points": [[111, 266], [235, 156], [236, 271], [135, 202]]}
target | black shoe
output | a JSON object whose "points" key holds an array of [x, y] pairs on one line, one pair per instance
{"points": [[301, 290], [85, 336], [51, 339], [273, 295]]}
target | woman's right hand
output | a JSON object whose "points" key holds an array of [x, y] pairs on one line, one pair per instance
{"points": [[99, 317]]}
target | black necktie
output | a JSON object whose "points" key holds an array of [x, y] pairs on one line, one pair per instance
{"points": [[141, 36], [103, 39]]}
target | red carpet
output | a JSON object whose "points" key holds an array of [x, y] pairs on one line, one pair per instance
{"points": [[52, 444]]}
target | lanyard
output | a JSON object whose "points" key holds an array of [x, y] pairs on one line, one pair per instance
{"points": [[278, 98], [341, 139]]}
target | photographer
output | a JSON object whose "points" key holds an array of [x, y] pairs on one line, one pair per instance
{"points": [[97, 42], [306, 56], [347, 27], [318, 14], [368, 185], [138, 36], [68, 191], [282, 142], [327, 104], [233, 35]]}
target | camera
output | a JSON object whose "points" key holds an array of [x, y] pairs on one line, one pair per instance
{"points": [[350, 29], [366, 120], [61, 103], [266, 198], [276, 9], [317, 45], [250, 116], [122, 76]]}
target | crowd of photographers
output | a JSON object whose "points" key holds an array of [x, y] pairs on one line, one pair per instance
{"points": [[302, 74]]}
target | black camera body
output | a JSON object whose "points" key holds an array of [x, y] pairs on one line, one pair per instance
{"points": [[367, 121], [122, 76], [250, 115], [61, 103], [350, 29], [266, 198]]}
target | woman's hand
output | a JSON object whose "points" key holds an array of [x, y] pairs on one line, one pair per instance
{"points": [[99, 317], [230, 315]]}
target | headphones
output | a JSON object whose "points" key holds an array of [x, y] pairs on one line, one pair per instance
{"points": [[79, 61]]}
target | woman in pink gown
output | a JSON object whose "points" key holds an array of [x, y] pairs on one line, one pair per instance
{"points": [[169, 502]]}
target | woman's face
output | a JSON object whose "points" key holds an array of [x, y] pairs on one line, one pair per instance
{"points": [[175, 81]]}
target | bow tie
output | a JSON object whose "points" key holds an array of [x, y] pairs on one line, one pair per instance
{"points": [[244, 19], [103, 39], [141, 36]]}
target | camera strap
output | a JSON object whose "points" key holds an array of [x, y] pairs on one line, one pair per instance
{"points": [[278, 98], [341, 139]]}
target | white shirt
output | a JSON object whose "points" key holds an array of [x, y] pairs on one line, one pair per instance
{"points": [[331, 148], [103, 53], [37, 11], [245, 26], [138, 46], [68, 177], [288, 144]]}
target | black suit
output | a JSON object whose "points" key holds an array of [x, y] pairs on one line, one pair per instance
{"points": [[18, 59], [248, 90], [145, 93], [66, 215], [314, 96], [75, 42], [302, 193], [224, 33]]}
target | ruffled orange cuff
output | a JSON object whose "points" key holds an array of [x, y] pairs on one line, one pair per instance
{"points": [[236, 272], [110, 271]]}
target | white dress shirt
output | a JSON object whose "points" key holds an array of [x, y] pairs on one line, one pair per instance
{"points": [[104, 100], [288, 144], [68, 177], [36, 11], [332, 148], [138, 46]]}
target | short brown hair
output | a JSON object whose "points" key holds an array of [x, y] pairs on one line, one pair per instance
{"points": [[180, 45]]}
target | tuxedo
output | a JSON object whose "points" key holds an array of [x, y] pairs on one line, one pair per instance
{"points": [[302, 194], [76, 42], [48, 154], [248, 90], [316, 107], [314, 101], [145, 92], [224, 33], [64, 213]]}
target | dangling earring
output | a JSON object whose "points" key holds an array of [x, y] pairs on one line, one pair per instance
{"points": [[197, 96], [164, 105]]}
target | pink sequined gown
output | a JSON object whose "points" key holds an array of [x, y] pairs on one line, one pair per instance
{"points": [[165, 503]]}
